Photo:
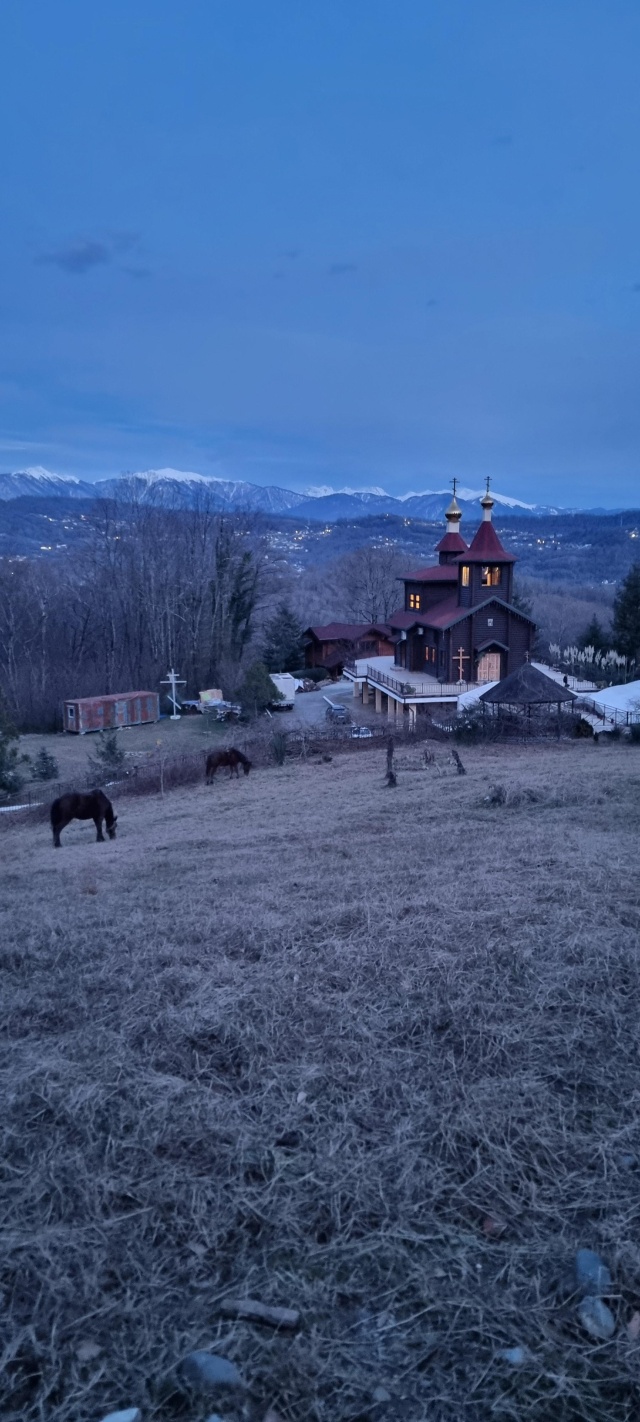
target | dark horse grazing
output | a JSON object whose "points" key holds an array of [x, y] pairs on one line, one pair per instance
{"points": [[93, 805], [233, 758]]}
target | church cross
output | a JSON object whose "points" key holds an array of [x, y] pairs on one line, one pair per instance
{"points": [[455, 486], [460, 657]]}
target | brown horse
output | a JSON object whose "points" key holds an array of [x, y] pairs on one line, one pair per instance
{"points": [[93, 805], [233, 758]]}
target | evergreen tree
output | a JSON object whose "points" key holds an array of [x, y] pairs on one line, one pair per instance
{"points": [[10, 758], [626, 617], [108, 760], [283, 641], [10, 777], [257, 690], [594, 636], [45, 765], [522, 601]]}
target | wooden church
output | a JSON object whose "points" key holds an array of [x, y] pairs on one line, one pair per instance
{"points": [[458, 622]]}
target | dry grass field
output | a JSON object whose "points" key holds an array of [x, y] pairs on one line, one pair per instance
{"points": [[190, 733], [370, 1053]]}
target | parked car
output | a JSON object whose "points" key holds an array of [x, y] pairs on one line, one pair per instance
{"points": [[361, 733], [338, 715]]}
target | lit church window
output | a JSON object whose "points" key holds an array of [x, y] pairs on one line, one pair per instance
{"points": [[414, 601], [491, 576], [465, 576]]}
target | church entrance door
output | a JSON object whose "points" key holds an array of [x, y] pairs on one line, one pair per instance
{"points": [[489, 667]]}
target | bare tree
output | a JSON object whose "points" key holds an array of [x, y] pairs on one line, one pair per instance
{"points": [[369, 581], [152, 586]]}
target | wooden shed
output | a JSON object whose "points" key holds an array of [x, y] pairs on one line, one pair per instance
{"points": [[104, 713]]}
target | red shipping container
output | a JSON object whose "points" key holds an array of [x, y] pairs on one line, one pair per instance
{"points": [[103, 713]]}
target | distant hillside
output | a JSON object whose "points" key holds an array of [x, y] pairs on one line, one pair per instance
{"points": [[571, 548]]}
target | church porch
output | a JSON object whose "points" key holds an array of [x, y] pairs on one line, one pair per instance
{"points": [[388, 688]]}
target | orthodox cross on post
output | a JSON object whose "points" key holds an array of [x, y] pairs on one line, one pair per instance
{"points": [[460, 657], [488, 484], [173, 680], [455, 486]]}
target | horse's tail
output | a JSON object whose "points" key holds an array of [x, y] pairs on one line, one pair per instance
{"points": [[109, 817], [53, 812]]}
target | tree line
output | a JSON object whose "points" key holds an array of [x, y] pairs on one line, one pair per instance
{"points": [[151, 587]]}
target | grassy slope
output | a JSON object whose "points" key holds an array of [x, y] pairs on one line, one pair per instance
{"points": [[455, 991]]}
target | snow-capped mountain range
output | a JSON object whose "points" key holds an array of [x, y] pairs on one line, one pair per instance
{"points": [[181, 488]]}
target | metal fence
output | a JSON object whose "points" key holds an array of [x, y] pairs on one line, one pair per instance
{"points": [[614, 714], [407, 688]]}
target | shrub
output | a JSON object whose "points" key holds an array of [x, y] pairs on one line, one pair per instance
{"points": [[10, 777], [497, 795], [524, 796], [279, 747], [582, 729], [45, 765], [468, 727], [634, 733], [109, 758]]}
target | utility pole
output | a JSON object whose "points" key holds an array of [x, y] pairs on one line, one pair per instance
{"points": [[173, 680]]}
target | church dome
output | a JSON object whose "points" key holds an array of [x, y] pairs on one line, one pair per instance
{"points": [[454, 512]]}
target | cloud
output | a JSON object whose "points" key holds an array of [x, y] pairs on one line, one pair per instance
{"points": [[138, 272], [124, 241], [342, 268], [84, 253], [77, 257]]}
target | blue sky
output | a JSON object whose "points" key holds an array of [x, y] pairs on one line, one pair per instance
{"points": [[324, 241]]}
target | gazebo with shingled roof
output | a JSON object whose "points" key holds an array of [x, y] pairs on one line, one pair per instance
{"points": [[527, 689]]}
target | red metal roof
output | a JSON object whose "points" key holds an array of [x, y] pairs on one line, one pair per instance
{"points": [[445, 612], [485, 547], [442, 573], [112, 696], [452, 543], [345, 631], [404, 619]]}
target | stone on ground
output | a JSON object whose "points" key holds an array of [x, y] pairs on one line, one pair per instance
{"points": [[206, 1371], [129, 1414], [597, 1319], [514, 1356], [591, 1273]]}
